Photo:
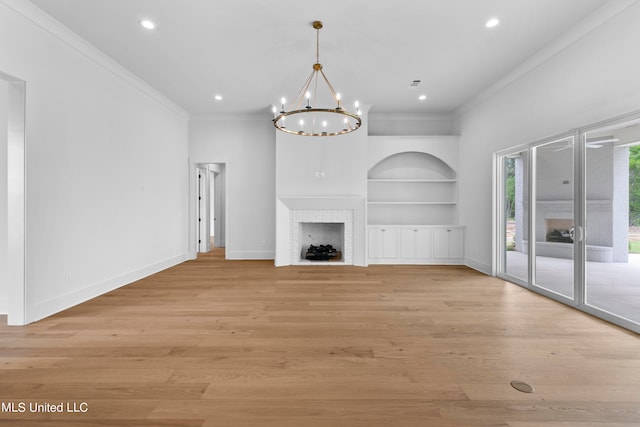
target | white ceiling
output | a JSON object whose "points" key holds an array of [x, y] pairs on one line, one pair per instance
{"points": [[254, 51]]}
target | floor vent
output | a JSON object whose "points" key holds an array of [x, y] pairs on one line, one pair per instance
{"points": [[522, 386]]}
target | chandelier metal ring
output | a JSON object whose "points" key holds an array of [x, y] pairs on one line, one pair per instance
{"points": [[351, 128]]}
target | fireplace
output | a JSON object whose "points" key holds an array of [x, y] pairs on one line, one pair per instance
{"points": [[321, 227], [558, 230], [336, 221]]}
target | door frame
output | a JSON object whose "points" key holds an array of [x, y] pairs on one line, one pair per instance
{"points": [[579, 216], [193, 222], [16, 201]]}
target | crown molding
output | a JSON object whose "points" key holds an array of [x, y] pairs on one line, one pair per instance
{"points": [[38, 17], [267, 115], [374, 116], [596, 19]]}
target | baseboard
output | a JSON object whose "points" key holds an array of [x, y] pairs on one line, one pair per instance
{"points": [[4, 306], [478, 265], [405, 261], [63, 302], [240, 255]]}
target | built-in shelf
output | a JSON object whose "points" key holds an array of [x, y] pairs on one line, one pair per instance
{"points": [[412, 187]]}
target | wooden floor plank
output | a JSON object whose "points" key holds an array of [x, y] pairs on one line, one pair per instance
{"points": [[212, 342]]}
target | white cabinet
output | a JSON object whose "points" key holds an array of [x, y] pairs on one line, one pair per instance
{"points": [[448, 243], [383, 242], [417, 244]]}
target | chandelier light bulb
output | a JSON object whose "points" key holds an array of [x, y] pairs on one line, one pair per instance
{"points": [[148, 24], [493, 22]]}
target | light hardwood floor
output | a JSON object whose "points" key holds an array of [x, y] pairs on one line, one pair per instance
{"points": [[241, 343]]}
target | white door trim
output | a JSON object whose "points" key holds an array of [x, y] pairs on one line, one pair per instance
{"points": [[16, 208]]}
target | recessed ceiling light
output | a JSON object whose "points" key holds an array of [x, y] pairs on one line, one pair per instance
{"points": [[218, 97], [148, 24], [422, 97], [493, 22]]}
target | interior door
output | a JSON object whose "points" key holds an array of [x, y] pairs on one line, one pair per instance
{"points": [[203, 210]]}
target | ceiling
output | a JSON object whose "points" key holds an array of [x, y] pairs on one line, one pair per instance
{"points": [[253, 52]]}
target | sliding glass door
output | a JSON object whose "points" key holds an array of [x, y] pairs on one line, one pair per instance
{"points": [[568, 222], [515, 216], [612, 213], [553, 222]]}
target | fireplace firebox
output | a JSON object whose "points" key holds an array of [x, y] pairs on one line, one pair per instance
{"points": [[559, 230], [321, 241]]}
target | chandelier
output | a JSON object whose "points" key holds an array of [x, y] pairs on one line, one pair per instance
{"points": [[306, 117]]}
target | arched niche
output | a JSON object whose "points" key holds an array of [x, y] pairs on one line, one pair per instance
{"points": [[411, 165]]}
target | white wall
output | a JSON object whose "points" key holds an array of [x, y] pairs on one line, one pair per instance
{"points": [[595, 77], [3, 196], [247, 147], [386, 124], [107, 172], [322, 166]]}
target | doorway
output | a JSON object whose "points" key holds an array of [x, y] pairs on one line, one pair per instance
{"points": [[568, 219], [12, 199], [211, 211]]}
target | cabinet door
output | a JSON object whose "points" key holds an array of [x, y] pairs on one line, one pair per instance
{"points": [[375, 243], [383, 243], [389, 242], [448, 243], [408, 243], [415, 243], [423, 243], [456, 243], [441, 242]]}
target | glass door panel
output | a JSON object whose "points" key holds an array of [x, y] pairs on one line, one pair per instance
{"points": [[612, 208], [553, 227], [515, 215]]}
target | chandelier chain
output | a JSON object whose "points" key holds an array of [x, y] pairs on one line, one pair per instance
{"points": [[317, 45]]}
